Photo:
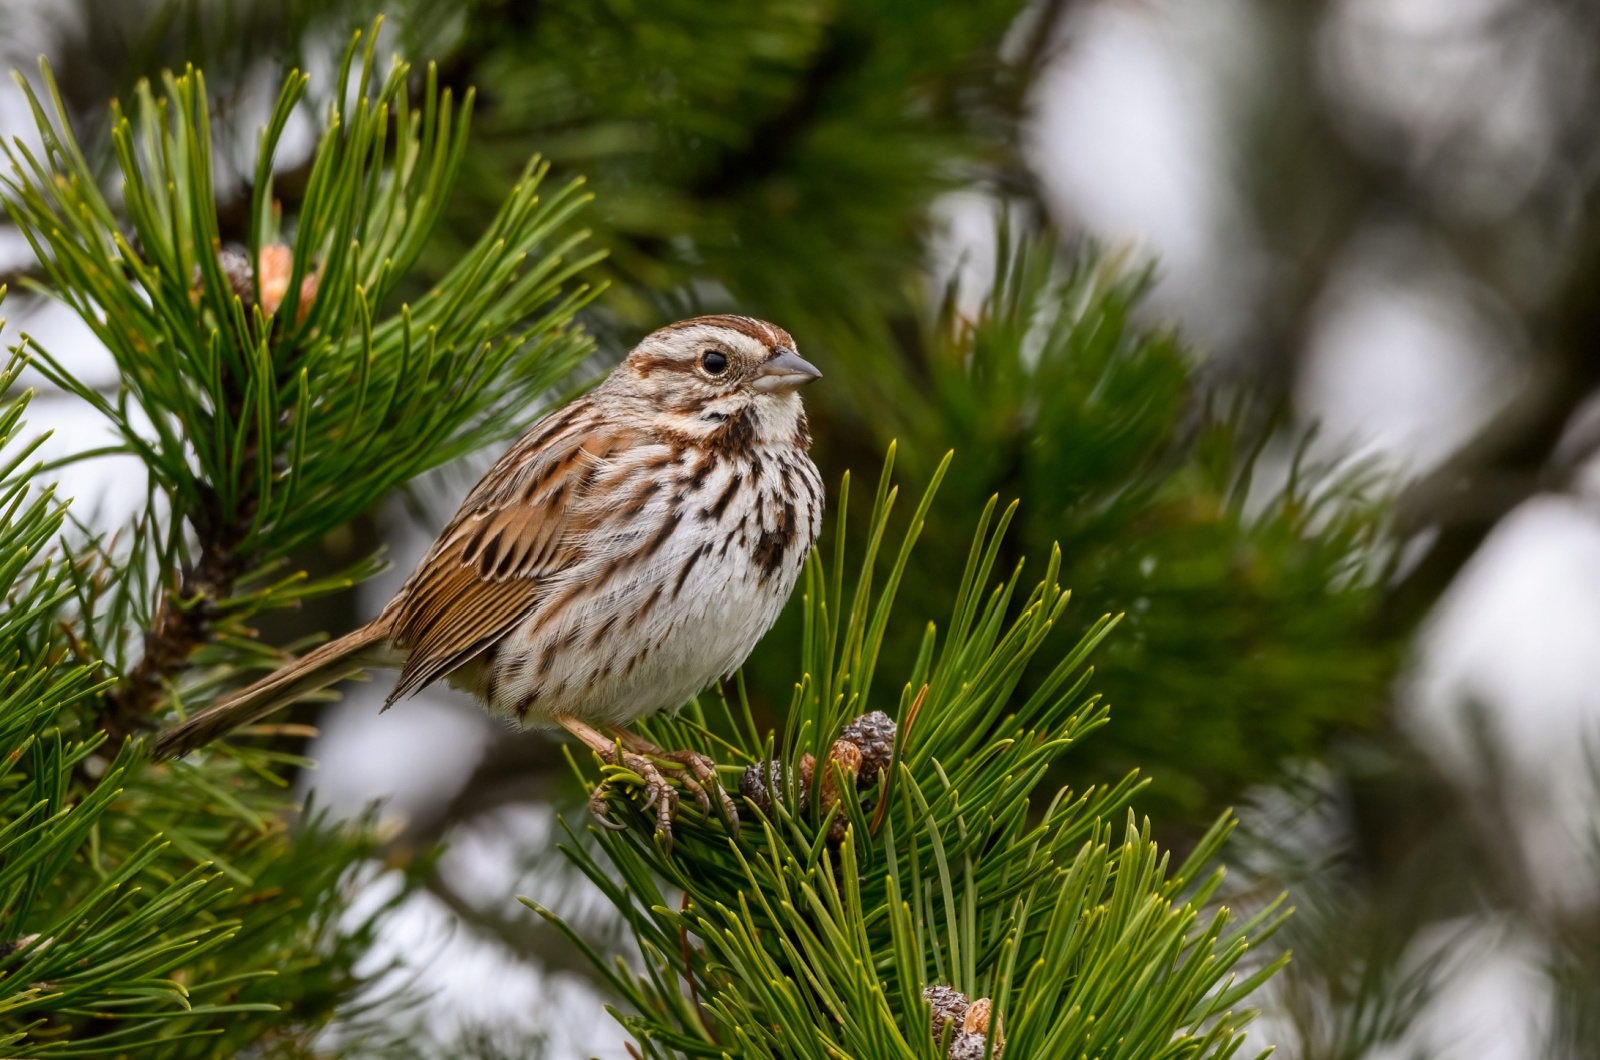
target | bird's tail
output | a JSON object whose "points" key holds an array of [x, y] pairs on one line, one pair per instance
{"points": [[328, 665]]}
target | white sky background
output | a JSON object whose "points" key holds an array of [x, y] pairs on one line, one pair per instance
{"points": [[1405, 359]]}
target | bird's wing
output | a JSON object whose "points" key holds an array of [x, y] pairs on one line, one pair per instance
{"points": [[515, 530]]}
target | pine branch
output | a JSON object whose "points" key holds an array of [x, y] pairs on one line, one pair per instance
{"points": [[271, 414], [184, 618], [171, 907], [1516, 456], [1052, 391], [534, 939]]}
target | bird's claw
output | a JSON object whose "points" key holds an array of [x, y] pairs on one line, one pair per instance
{"points": [[700, 775], [657, 793], [692, 786], [602, 809], [705, 772]]}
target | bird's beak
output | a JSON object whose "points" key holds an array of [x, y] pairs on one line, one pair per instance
{"points": [[785, 372]]}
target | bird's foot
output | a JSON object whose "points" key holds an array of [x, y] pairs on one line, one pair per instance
{"points": [[703, 768], [658, 792], [639, 756], [705, 776]]}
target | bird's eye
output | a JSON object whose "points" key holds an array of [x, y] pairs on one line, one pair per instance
{"points": [[713, 362]]}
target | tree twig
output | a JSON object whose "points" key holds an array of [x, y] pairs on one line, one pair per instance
{"points": [[179, 628], [524, 936], [1516, 456]]}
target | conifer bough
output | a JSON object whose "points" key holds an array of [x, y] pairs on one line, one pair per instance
{"points": [[273, 404], [172, 911]]}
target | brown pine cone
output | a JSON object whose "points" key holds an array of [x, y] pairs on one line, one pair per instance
{"points": [[277, 267], [759, 781], [949, 1007], [846, 756], [874, 733], [976, 1023], [808, 770], [966, 1046]]}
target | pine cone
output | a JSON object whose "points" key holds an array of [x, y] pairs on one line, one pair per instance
{"points": [[949, 1007], [762, 782], [847, 756], [277, 268], [234, 261], [966, 1046], [874, 733], [976, 1022], [759, 781]]}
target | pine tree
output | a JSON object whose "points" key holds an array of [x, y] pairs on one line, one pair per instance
{"points": [[795, 176], [1255, 629], [1152, 484]]}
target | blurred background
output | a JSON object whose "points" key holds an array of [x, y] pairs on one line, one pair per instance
{"points": [[1343, 487]]}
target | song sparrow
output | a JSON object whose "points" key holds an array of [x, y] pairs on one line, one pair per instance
{"points": [[627, 551]]}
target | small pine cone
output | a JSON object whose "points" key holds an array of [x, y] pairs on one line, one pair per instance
{"points": [[234, 261], [277, 267], [949, 1006], [308, 293], [874, 733], [976, 1022], [760, 781], [966, 1046], [847, 756]]}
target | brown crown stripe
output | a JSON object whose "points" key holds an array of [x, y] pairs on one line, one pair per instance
{"points": [[769, 335]]}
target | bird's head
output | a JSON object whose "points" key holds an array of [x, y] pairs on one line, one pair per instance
{"points": [[720, 377]]}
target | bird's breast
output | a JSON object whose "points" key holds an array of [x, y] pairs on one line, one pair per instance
{"points": [[692, 558]]}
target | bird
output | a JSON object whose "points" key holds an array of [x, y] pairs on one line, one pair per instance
{"points": [[627, 551]]}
